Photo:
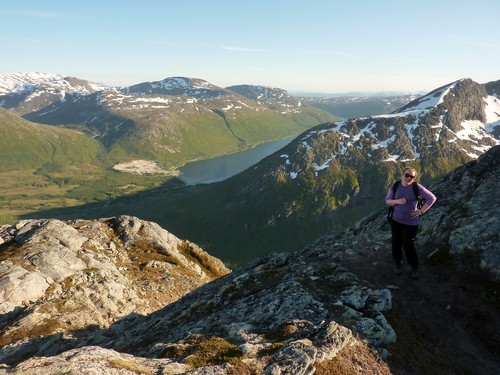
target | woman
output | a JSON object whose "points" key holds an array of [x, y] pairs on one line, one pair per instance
{"points": [[406, 219]]}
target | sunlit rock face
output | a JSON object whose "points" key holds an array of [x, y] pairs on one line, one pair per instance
{"points": [[72, 275]]}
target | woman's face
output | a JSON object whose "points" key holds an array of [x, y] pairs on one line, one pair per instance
{"points": [[408, 177]]}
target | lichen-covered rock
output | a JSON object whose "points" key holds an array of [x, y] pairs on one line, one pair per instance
{"points": [[96, 360], [84, 273], [18, 286], [272, 306], [297, 357]]}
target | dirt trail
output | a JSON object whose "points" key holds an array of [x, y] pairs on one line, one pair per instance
{"points": [[447, 321]]}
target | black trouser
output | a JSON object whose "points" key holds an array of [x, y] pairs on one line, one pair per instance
{"points": [[403, 237]]}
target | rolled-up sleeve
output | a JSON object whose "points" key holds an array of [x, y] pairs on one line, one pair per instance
{"points": [[430, 198], [390, 194]]}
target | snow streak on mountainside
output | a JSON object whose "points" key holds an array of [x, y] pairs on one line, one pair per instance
{"points": [[29, 92], [261, 92]]}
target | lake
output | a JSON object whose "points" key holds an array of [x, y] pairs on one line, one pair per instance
{"points": [[222, 167]]}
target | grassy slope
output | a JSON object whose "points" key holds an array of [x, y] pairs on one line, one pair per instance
{"points": [[29, 145], [236, 234], [228, 220], [174, 138]]}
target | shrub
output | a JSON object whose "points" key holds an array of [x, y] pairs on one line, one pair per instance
{"points": [[214, 351]]}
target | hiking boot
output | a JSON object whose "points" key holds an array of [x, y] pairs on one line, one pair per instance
{"points": [[397, 269], [414, 273]]}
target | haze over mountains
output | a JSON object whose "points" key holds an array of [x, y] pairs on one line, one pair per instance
{"points": [[360, 106]]}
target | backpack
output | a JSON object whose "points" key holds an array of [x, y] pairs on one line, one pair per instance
{"points": [[414, 185]]}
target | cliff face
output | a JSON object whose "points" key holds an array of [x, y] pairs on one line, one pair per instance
{"points": [[334, 307]]}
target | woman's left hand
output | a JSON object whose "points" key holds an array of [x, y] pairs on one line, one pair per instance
{"points": [[416, 213]]}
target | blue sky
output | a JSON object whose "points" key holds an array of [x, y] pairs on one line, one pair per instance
{"points": [[315, 45]]}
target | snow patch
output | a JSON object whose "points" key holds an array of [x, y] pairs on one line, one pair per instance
{"points": [[492, 110]]}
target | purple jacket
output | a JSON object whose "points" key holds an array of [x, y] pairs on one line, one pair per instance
{"points": [[401, 212]]}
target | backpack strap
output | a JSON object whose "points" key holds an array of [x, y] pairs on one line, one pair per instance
{"points": [[395, 188], [416, 191], [414, 185], [420, 200]]}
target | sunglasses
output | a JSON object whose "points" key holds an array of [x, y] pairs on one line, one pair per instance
{"points": [[409, 176]]}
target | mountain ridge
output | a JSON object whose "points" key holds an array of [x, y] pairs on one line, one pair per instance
{"points": [[360, 106], [329, 176]]}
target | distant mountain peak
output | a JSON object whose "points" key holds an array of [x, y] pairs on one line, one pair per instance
{"points": [[432, 99], [185, 83], [177, 86], [31, 81], [449, 126], [256, 92], [146, 117]]}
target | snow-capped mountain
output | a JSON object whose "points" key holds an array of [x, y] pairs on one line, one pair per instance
{"points": [[18, 90], [452, 125], [260, 93], [162, 120], [16, 83], [177, 86], [28, 92]]}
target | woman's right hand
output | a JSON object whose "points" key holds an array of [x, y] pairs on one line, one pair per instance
{"points": [[402, 201]]}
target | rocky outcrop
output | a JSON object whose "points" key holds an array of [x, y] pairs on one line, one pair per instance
{"points": [[87, 284], [467, 218], [281, 314], [60, 276], [97, 360]]}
